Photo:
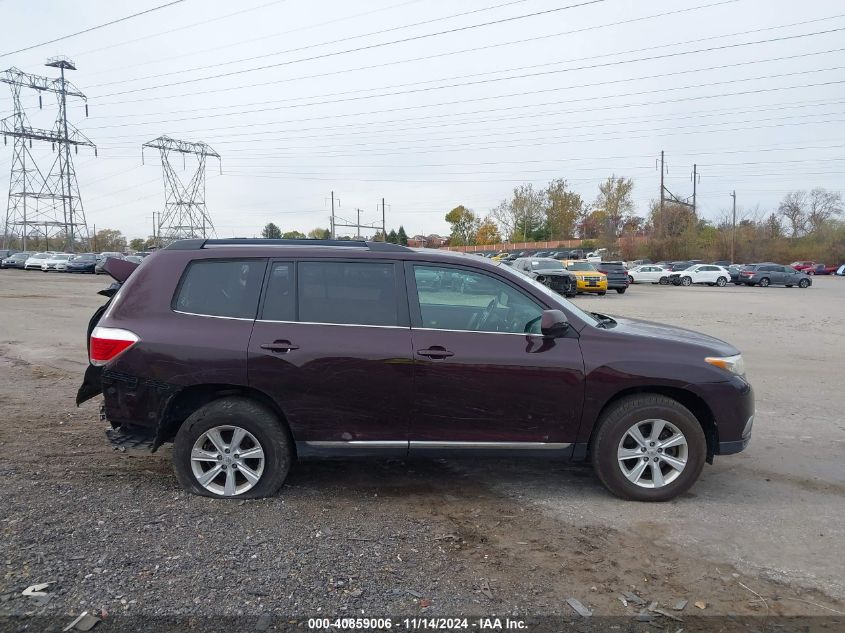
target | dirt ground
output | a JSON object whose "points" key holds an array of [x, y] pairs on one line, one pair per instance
{"points": [[761, 534]]}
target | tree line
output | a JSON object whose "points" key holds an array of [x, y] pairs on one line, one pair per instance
{"points": [[805, 225], [273, 232]]}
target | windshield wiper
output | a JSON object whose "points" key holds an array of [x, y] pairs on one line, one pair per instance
{"points": [[603, 320]]}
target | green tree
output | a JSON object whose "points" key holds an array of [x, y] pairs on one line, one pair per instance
{"points": [[271, 232], [138, 244], [464, 225], [293, 235], [403, 237], [563, 210], [319, 234], [393, 237]]}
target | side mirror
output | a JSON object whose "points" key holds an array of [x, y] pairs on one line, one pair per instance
{"points": [[553, 323]]}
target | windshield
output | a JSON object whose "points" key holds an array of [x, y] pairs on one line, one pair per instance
{"points": [[550, 264], [39, 255], [582, 266], [551, 294]]}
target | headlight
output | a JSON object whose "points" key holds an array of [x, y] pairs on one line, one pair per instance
{"points": [[733, 364]]}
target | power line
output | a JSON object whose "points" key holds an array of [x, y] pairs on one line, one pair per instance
{"points": [[93, 28], [252, 41], [523, 76], [486, 47], [344, 52]]}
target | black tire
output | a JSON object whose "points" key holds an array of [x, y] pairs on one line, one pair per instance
{"points": [[602, 293], [721, 282], [804, 283], [630, 279], [663, 281], [614, 424], [686, 280], [250, 415], [764, 282], [789, 285], [621, 291]]}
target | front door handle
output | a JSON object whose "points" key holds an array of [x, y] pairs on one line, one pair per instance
{"points": [[435, 352], [279, 346]]}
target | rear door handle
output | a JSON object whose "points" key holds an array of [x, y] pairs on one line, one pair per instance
{"points": [[279, 346], [435, 352]]}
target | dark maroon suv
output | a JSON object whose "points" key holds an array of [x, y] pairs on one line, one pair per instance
{"points": [[249, 354]]}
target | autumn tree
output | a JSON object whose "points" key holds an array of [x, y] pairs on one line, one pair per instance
{"points": [[271, 232], [138, 244], [487, 232], [793, 209], [522, 216], [293, 235], [110, 240], [319, 234], [822, 206], [464, 225], [616, 200]]}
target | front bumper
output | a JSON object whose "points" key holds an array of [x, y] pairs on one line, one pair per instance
{"points": [[732, 405], [585, 286]]}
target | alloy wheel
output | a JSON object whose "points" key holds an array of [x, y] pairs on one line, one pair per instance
{"points": [[652, 453], [227, 460], [686, 281], [721, 282]]}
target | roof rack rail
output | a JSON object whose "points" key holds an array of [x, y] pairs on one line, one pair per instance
{"points": [[197, 244]]}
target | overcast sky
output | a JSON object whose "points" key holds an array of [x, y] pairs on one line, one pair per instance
{"points": [[429, 105]]}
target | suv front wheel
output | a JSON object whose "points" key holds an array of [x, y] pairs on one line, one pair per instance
{"points": [[648, 448], [232, 447]]}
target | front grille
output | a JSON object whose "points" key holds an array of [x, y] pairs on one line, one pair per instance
{"points": [[592, 278], [558, 283]]}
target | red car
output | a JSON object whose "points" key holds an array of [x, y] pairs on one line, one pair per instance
{"points": [[809, 267], [821, 269]]}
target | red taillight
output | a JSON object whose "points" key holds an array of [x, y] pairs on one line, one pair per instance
{"points": [[107, 343]]}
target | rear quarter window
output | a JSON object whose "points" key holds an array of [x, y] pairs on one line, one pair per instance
{"points": [[221, 288]]}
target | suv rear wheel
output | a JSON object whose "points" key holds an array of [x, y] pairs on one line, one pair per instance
{"points": [[648, 448], [764, 282], [232, 447]]}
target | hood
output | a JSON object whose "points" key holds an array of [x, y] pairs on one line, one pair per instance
{"points": [[659, 331], [553, 272]]}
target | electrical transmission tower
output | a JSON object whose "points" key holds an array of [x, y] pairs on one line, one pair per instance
{"points": [[668, 196], [39, 199], [185, 215]]}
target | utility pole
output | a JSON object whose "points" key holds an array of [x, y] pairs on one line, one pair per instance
{"points": [[94, 238], [694, 182], [358, 224], [383, 223], [661, 182], [333, 231], [733, 226]]}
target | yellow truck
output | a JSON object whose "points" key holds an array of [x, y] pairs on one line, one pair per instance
{"points": [[589, 279]]}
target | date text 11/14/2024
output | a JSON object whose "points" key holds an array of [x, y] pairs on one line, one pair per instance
{"points": [[418, 624]]}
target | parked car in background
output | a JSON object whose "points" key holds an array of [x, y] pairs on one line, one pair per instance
{"points": [[701, 274], [734, 270], [550, 272], [676, 266], [617, 275], [770, 274], [82, 263], [18, 260], [56, 262], [135, 259], [588, 277], [803, 265], [35, 260], [821, 269], [648, 273], [517, 370], [101, 259], [723, 263], [7, 252], [840, 271]]}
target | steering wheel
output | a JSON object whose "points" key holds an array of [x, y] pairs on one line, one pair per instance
{"points": [[486, 315]]}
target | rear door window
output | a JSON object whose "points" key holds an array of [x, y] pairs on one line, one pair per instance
{"points": [[280, 298], [354, 293], [222, 288]]}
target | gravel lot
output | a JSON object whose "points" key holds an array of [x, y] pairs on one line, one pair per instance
{"points": [[760, 533]]}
